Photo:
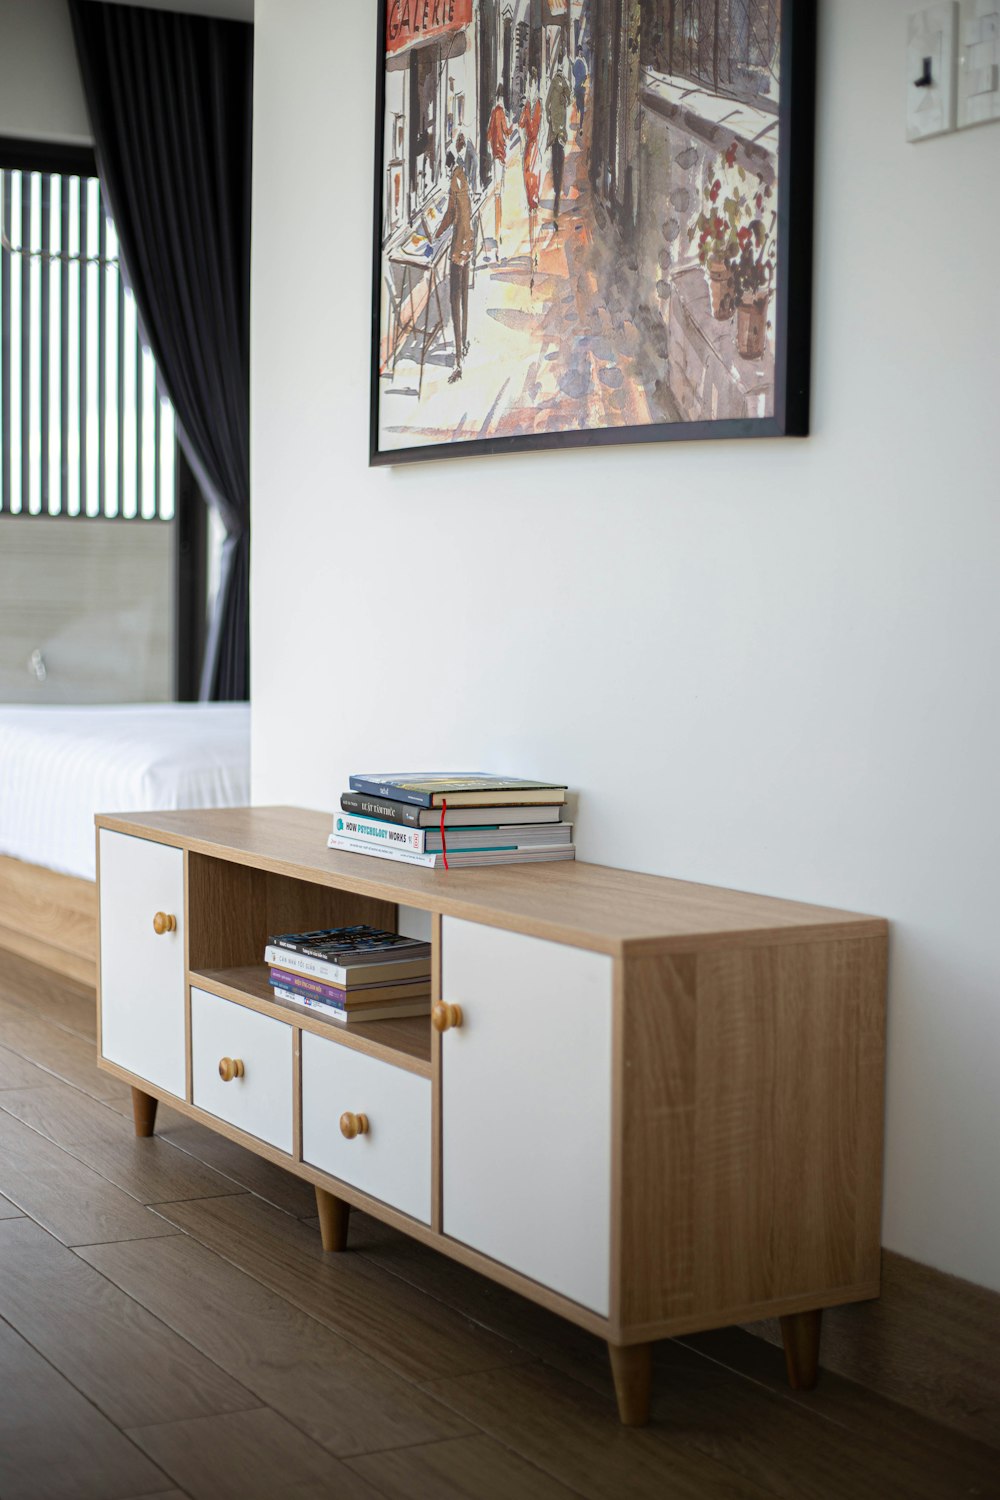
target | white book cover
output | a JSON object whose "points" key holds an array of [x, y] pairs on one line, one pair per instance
{"points": [[379, 835], [401, 856], [389, 972], [461, 859]]}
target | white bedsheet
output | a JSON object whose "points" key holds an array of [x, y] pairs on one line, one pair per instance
{"points": [[59, 766]]}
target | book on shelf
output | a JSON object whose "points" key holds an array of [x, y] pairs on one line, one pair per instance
{"points": [[359, 804], [381, 835], [359, 944], [362, 994], [392, 1012], [349, 975], [458, 788], [461, 859], [378, 832]]}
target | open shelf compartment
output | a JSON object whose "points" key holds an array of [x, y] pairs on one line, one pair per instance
{"points": [[232, 911]]}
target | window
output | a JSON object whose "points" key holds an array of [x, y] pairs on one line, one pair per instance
{"points": [[727, 46], [85, 430]]}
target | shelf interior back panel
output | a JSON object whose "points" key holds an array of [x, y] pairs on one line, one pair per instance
{"points": [[234, 909]]}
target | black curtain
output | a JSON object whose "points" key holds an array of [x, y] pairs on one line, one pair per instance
{"points": [[171, 106]]}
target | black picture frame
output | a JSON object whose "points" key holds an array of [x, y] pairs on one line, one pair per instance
{"points": [[793, 300]]}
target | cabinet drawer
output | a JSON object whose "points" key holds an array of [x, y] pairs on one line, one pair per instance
{"points": [[526, 1106], [392, 1160], [142, 972], [259, 1099]]}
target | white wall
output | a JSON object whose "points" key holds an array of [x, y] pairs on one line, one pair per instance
{"points": [[764, 665], [41, 95]]}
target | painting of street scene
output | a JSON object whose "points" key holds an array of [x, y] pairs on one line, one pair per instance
{"points": [[579, 222]]}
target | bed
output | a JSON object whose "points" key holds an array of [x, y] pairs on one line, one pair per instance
{"points": [[58, 767]]}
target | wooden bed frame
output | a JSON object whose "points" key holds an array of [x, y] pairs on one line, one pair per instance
{"points": [[48, 918]]}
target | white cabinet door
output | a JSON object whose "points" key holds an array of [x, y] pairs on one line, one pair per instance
{"points": [[526, 1107], [142, 974], [392, 1160], [260, 1099]]}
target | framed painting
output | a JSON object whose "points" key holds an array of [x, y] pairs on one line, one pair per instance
{"points": [[609, 240]]}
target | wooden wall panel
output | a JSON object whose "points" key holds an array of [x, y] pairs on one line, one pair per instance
{"points": [[49, 918]]}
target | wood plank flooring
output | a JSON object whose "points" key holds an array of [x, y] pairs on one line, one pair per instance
{"points": [[170, 1327]]}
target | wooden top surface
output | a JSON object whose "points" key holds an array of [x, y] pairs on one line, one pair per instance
{"points": [[591, 906]]}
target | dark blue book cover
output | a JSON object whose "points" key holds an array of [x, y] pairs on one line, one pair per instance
{"points": [[468, 788], [351, 945]]}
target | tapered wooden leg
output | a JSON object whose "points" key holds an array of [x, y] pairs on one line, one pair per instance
{"points": [[800, 1335], [333, 1216], [632, 1368], [143, 1112]]}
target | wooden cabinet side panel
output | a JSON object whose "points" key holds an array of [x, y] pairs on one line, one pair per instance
{"points": [[436, 1135], [872, 995], [657, 1086], [752, 1128], [788, 1140], [235, 908]]}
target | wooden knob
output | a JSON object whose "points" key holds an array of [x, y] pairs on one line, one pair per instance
{"points": [[163, 923], [352, 1125], [445, 1016], [230, 1068]]}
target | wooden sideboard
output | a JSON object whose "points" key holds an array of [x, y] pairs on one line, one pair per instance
{"points": [[652, 1106]]}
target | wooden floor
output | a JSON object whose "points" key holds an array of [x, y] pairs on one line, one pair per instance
{"points": [[170, 1326]]}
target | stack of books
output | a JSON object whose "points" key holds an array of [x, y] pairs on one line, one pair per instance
{"points": [[453, 820], [351, 974]]}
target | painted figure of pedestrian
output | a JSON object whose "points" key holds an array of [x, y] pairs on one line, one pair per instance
{"points": [[471, 164], [498, 134], [580, 76], [531, 158], [459, 220], [557, 118]]}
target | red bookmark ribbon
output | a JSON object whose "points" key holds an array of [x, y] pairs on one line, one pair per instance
{"points": [[444, 842]]}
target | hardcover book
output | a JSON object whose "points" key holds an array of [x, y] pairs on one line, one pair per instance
{"points": [[497, 836], [357, 995], [359, 804], [462, 788], [349, 1017], [460, 859], [379, 834], [351, 945], [348, 976]]}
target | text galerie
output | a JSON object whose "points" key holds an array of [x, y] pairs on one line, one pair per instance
{"points": [[406, 20]]}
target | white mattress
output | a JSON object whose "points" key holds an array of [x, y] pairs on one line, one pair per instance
{"points": [[59, 766]]}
